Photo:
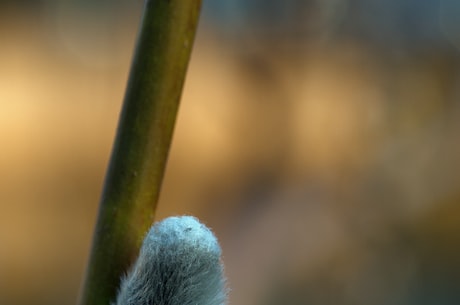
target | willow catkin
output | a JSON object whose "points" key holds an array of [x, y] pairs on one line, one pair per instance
{"points": [[179, 264]]}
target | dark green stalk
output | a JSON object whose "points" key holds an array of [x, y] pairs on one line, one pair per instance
{"points": [[142, 143]]}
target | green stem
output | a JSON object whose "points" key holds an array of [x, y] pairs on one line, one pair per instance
{"points": [[142, 143]]}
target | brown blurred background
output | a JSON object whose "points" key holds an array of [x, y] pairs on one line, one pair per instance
{"points": [[318, 138]]}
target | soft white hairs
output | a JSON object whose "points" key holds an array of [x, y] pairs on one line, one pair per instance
{"points": [[179, 264]]}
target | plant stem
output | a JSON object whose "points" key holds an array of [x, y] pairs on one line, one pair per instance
{"points": [[142, 143]]}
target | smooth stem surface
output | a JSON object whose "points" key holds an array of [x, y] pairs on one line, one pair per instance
{"points": [[142, 143]]}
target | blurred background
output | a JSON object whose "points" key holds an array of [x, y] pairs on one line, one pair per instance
{"points": [[318, 138]]}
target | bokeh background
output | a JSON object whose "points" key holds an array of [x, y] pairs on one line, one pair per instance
{"points": [[318, 138]]}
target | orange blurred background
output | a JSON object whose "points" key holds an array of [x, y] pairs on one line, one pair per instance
{"points": [[319, 139]]}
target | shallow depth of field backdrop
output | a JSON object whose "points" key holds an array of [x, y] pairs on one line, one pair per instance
{"points": [[319, 138]]}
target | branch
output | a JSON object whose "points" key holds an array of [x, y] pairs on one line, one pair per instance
{"points": [[142, 143]]}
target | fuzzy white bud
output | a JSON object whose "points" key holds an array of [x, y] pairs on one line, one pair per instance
{"points": [[179, 264]]}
